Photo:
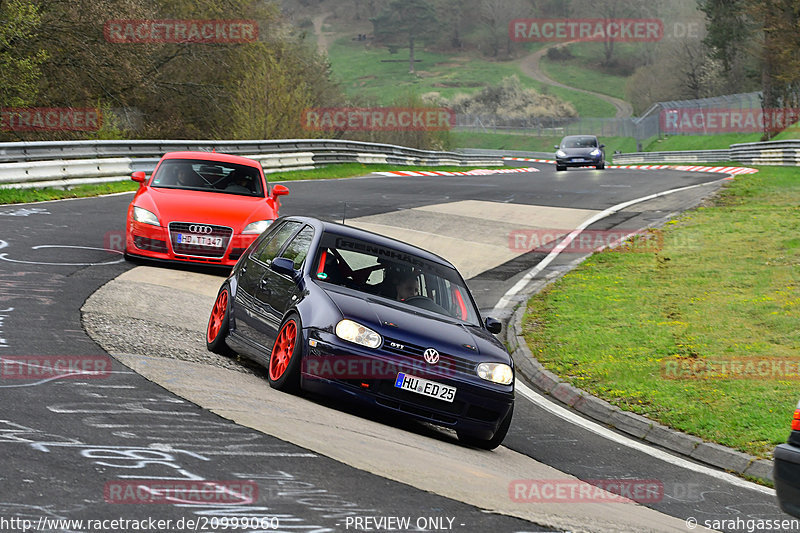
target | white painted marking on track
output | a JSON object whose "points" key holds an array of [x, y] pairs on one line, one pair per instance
{"points": [[5, 257], [606, 433], [506, 299]]}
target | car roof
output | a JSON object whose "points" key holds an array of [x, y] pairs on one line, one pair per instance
{"points": [[375, 238], [212, 156]]}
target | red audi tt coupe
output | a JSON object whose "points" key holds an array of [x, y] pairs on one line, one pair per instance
{"points": [[200, 207]]}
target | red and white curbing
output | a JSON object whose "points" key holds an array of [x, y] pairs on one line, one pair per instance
{"points": [[475, 172], [684, 168], [529, 159], [687, 168]]}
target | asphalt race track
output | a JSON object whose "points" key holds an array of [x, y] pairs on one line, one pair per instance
{"points": [[315, 467]]}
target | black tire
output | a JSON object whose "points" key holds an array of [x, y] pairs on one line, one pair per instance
{"points": [[560, 168], [492, 443], [601, 166], [219, 324], [284, 375]]}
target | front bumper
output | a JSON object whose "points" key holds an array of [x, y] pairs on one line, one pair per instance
{"points": [[153, 242], [577, 161], [786, 474], [338, 368]]}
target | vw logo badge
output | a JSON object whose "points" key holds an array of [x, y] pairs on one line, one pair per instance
{"points": [[431, 356], [195, 228]]}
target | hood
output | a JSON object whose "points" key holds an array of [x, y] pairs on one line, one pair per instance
{"points": [[578, 151], [205, 207], [414, 326]]}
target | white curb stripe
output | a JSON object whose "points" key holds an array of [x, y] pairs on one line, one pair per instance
{"points": [[613, 436]]}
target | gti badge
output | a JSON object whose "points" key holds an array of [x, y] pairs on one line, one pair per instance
{"points": [[431, 356]]}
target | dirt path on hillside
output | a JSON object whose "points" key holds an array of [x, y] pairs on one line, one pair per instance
{"points": [[531, 67], [322, 37]]}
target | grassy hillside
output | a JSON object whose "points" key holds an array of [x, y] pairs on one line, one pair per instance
{"points": [[584, 69], [377, 75]]}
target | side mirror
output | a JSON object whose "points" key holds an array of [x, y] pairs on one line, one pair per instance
{"points": [[602, 146], [555, 146], [493, 325], [282, 265], [279, 190], [139, 176]]}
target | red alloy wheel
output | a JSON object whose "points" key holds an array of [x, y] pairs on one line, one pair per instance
{"points": [[283, 350], [217, 316]]}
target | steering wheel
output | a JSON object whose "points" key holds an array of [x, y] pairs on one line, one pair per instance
{"points": [[423, 302]]}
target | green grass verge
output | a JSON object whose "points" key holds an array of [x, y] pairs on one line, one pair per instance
{"points": [[17, 196], [724, 286], [344, 170], [700, 142]]}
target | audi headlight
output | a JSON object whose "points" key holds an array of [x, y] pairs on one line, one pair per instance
{"points": [[496, 373], [256, 228], [595, 153], [561, 153], [144, 216], [354, 332]]}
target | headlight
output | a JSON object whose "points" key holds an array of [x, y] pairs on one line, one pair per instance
{"points": [[595, 153], [355, 332], [144, 216], [496, 373], [256, 228], [561, 153]]}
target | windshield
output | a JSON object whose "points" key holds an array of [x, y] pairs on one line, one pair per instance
{"points": [[214, 176], [579, 142], [394, 275]]}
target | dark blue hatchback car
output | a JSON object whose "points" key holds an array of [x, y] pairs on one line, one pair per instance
{"points": [[345, 312]]}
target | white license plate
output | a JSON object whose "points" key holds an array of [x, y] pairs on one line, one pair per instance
{"points": [[579, 160], [425, 387], [199, 240]]}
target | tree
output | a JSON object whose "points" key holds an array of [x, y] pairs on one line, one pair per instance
{"points": [[611, 9], [495, 16], [19, 64], [403, 23]]}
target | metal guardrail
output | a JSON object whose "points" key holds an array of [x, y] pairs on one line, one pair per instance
{"points": [[780, 153], [52, 164], [48, 150], [685, 156]]}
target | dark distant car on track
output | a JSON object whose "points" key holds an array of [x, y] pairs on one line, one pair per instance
{"points": [[786, 469], [200, 207], [580, 151], [344, 312]]}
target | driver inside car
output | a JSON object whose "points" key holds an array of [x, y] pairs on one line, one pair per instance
{"points": [[407, 286]]}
